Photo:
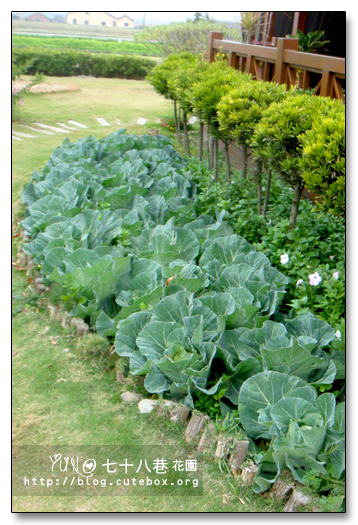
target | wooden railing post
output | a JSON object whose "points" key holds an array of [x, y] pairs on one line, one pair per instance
{"points": [[281, 68], [214, 35], [326, 84]]}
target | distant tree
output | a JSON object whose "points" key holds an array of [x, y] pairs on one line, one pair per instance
{"points": [[184, 36], [198, 16]]}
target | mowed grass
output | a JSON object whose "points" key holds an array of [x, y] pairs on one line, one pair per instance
{"points": [[111, 99], [64, 394], [68, 398]]}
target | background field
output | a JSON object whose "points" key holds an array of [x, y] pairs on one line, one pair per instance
{"points": [[50, 28], [83, 44]]}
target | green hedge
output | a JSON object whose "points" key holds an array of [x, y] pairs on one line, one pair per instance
{"points": [[72, 63]]}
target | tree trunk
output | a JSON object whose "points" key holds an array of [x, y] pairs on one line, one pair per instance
{"points": [[201, 131], [295, 205], [268, 184], [208, 150], [216, 151], [176, 120], [186, 138], [212, 151], [227, 162], [244, 168], [259, 188], [179, 133]]}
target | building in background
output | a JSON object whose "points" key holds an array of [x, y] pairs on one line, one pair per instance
{"points": [[98, 18], [38, 17], [58, 19]]}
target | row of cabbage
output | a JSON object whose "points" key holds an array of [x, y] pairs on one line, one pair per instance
{"points": [[194, 307]]}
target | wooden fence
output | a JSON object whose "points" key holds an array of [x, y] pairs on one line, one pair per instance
{"points": [[281, 63]]}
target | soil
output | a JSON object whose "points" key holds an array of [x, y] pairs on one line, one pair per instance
{"points": [[44, 87]]}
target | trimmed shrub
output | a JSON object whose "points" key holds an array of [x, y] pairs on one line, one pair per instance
{"points": [[276, 140], [323, 161], [71, 63]]}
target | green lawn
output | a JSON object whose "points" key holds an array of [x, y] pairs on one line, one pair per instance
{"points": [[63, 393], [111, 99]]}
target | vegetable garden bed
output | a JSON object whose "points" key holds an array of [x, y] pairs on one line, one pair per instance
{"points": [[115, 235]]}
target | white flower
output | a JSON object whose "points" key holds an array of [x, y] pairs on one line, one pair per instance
{"points": [[336, 275], [300, 281], [192, 120], [338, 335], [315, 279], [284, 258]]}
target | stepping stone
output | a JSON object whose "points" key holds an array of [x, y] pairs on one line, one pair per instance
{"points": [[130, 397], [25, 135], [66, 127], [17, 138], [146, 406], [102, 121], [141, 121], [59, 130], [74, 123], [39, 130]]}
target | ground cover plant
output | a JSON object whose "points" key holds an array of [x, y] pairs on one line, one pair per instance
{"points": [[114, 224], [316, 245]]}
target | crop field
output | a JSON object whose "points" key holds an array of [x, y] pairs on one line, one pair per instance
{"points": [[83, 44], [51, 28]]}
